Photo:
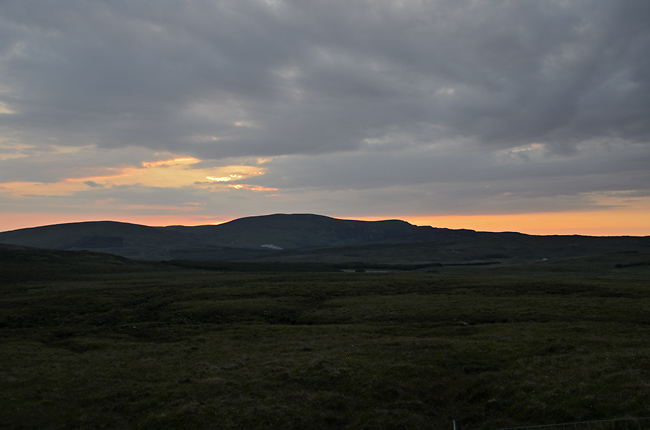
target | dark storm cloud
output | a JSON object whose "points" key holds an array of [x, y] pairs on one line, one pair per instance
{"points": [[317, 77]]}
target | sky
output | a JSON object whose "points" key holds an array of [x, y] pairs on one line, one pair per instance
{"points": [[499, 115]]}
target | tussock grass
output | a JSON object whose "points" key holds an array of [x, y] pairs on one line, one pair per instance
{"points": [[184, 349]]}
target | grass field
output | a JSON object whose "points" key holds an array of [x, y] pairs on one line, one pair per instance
{"points": [[171, 348]]}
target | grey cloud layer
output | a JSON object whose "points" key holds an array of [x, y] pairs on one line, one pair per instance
{"points": [[422, 166], [357, 94], [315, 76]]}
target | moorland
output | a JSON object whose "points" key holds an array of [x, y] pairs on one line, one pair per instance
{"points": [[91, 340]]}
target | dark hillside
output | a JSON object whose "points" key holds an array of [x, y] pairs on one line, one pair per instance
{"points": [[481, 248], [228, 241], [20, 264], [309, 231], [315, 239], [128, 240]]}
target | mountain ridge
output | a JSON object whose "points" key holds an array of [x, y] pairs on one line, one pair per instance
{"points": [[304, 237]]}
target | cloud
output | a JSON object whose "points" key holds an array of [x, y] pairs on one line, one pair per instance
{"points": [[174, 173], [94, 184], [369, 103], [311, 77]]}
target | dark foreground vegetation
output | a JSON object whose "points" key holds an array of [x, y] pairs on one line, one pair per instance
{"points": [[130, 345]]}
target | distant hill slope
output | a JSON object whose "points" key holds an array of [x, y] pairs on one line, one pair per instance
{"points": [[20, 263], [290, 231], [239, 239], [127, 240], [308, 237]]}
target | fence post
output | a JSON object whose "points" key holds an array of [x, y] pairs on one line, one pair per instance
{"points": [[456, 424]]}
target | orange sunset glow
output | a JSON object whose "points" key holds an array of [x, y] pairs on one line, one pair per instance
{"points": [[624, 216], [596, 223], [173, 173]]}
